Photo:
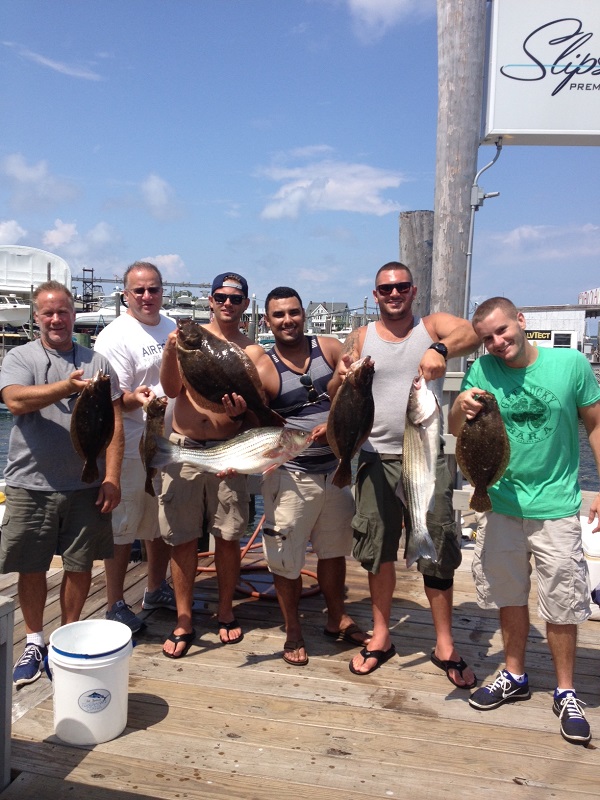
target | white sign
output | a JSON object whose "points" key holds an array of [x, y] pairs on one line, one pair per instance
{"points": [[543, 83], [591, 297]]}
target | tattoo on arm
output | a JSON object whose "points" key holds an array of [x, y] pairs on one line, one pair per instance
{"points": [[351, 345]]}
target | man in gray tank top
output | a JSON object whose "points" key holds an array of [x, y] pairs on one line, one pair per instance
{"points": [[403, 346]]}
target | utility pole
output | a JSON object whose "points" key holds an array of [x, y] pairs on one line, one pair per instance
{"points": [[416, 245], [461, 57]]}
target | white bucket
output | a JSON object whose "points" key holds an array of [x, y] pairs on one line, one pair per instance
{"points": [[89, 663], [591, 551]]}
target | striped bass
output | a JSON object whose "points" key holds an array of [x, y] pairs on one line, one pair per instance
{"points": [[256, 451], [419, 458]]}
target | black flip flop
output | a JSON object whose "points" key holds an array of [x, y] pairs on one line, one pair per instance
{"points": [[187, 638], [459, 666], [228, 626], [346, 635], [381, 656]]}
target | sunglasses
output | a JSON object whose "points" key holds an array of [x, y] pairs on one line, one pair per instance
{"points": [[313, 394], [221, 298], [386, 289], [140, 291]]}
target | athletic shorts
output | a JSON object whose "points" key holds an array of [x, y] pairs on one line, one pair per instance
{"points": [[502, 566], [189, 496], [39, 525], [380, 515], [302, 507], [136, 516]]}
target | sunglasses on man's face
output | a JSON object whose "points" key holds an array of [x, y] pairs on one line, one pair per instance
{"points": [[140, 291], [221, 298], [386, 289], [306, 381]]}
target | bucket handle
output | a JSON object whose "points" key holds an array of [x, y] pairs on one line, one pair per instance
{"points": [[47, 665]]}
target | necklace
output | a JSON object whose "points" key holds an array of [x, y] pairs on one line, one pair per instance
{"points": [[49, 363]]}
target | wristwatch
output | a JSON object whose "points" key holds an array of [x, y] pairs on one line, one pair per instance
{"points": [[440, 348]]}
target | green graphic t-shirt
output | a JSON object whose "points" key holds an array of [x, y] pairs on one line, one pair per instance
{"points": [[539, 408]]}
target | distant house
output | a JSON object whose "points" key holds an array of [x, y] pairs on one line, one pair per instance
{"points": [[328, 317]]}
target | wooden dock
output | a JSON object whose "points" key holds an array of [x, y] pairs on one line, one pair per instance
{"points": [[238, 723]]}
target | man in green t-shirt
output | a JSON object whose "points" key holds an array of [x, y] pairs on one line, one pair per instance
{"points": [[541, 394]]}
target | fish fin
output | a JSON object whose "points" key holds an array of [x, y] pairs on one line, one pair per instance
{"points": [[149, 487], [342, 475], [90, 472]]}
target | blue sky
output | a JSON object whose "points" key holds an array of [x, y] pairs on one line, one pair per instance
{"points": [[280, 138]]}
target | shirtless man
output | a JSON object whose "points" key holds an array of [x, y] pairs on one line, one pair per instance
{"points": [[188, 495]]}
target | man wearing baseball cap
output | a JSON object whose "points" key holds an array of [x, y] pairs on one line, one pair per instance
{"points": [[188, 495]]}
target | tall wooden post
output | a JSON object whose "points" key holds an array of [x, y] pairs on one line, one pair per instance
{"points": [[416, 247], [461, 54]]}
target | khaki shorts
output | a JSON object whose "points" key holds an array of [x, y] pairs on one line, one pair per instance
{"points": [[302, 507], [502, 566], [136, 516], [188, 497], [38, 525]]}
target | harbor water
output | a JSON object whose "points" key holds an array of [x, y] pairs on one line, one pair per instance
{"points": [[588, 476]]}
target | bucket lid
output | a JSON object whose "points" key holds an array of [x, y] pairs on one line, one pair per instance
{"points": [[591, 541], [90, 638]]}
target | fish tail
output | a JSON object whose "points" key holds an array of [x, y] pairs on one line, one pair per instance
{"points": [[480, 501], [342, 475], [420, 545], [165, 453], [90, 472]]}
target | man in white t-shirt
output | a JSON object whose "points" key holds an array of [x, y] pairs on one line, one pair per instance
{"points": [[133, 344]]}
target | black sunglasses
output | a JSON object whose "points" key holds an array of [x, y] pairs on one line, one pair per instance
{"points": [[306, 381], [141, 290], [221, 298], [387, 288]]}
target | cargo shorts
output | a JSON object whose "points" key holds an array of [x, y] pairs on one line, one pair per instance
{"points": [[380, 515], [189, 496], [502, 566], [303, 507], [38, 525], [136, 516]]}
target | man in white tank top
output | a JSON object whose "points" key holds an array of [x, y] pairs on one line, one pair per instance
{"points": [[402, 347]]}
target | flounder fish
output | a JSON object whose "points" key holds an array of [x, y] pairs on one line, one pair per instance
{"points": [[155, 426], [93, 424], [253, 452], [211, 367], [420, 451], [483, 450], [351, 417]]}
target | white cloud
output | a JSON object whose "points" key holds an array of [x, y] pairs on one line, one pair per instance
{"points": [[534, 243], [11, 232], [373, 18], [159, 198], [62, 234], [172, 267], [71, 70], [329, 185], [33, 186], [91, 247]]}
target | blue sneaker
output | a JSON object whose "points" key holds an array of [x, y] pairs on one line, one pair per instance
{"points": [[163, 597], [121, 612], [574, 726], [503, 690], [30, 666]]}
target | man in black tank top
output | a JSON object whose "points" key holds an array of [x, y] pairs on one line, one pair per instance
{"points": [[301, 503], [425, 344]]}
